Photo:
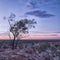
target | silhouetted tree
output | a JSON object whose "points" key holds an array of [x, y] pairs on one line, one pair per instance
{"points": [[19, 27]]}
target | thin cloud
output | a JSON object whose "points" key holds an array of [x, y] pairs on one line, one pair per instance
{"points": [[39, 13], [38, 3], [32, 4], [57, 32]]}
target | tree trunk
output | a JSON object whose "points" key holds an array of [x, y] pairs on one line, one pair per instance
{"points": [[13, 43], [16, 43]]}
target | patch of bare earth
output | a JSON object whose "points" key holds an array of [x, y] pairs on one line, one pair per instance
{"points": [[22, 54]]}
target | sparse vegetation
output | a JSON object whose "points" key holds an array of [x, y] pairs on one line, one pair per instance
{"points": [[31, 50]]}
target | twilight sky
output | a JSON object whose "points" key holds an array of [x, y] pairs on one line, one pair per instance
{"points": [[45, 12]]}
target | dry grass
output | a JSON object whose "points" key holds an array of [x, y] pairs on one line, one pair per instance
{"points": [[18, 54]]}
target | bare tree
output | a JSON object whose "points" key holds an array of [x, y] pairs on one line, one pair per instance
{"points": [[20, 27]]}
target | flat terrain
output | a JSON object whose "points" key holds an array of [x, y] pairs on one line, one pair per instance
{"points": [[30, 50]]}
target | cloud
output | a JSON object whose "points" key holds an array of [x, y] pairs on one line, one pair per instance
{"points": [[39, 13], [32, 4], [40, 3], [57, 32]]}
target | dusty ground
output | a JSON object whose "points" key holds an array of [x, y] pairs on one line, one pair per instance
{"points": [[23, 54]]}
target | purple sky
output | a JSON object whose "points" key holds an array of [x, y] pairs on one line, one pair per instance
{"points": [[45, 12]]}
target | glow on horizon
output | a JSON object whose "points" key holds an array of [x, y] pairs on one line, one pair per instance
{"points": [[34, 36]]}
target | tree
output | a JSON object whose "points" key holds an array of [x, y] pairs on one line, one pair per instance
{"points": [[19, 27]]}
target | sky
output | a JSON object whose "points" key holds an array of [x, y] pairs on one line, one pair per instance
{"points": [[45, 12]]}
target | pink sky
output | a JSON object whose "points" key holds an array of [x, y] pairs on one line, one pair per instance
{"points": [[39, 36], [35, 36]]}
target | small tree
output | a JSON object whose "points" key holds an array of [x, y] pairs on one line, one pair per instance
{"points": [[20, 27]]}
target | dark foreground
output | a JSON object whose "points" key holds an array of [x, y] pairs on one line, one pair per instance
{"points": [[30, 50]]}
